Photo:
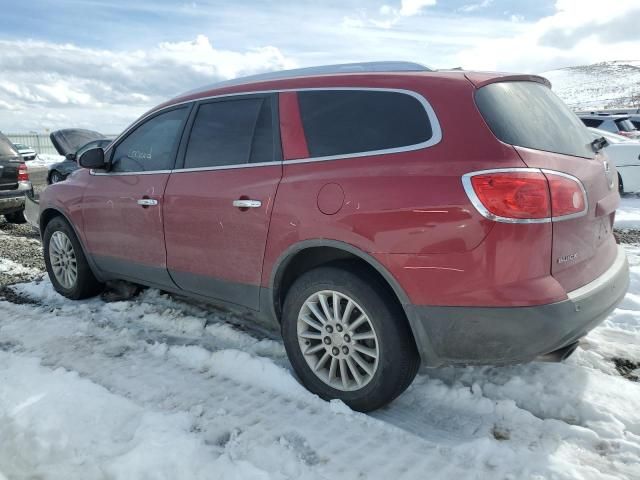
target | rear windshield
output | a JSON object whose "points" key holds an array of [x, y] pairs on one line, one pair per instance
{"points": [[528, 114], [6, 147]]}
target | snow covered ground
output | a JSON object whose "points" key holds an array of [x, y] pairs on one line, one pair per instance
{"points": [[156, 388], [628, 213], [613, 84], [44, 160]]}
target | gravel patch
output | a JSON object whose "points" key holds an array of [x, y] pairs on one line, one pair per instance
{"points": [[627, 235], [21, 245]]}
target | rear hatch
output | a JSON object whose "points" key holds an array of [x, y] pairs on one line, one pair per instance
{"points": [[70, 140], [547, 135], [10, 160]]}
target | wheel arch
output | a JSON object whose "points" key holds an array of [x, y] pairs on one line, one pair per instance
{"points": [[309, 254], [48, 215]]}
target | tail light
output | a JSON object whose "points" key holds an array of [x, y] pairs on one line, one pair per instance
{"points": [[525, 195], [23, 174]]}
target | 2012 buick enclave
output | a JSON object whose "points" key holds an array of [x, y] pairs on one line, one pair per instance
{"points": [[383, 215]]}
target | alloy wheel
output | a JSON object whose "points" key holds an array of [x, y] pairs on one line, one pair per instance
{"points": [[338, 340], [63, 259]]}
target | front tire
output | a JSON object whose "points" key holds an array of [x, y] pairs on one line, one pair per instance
{"points": [[347, 338], [67, 266], [16, 217]]}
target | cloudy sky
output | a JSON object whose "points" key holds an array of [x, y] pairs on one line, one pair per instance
{"points": [[99, 64]]}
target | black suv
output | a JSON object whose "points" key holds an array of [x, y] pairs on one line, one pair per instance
{"points": [[14, 182]]}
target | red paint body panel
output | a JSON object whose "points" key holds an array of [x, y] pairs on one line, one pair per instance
{"points": [[116, 226], [408, 210], [294, 143], [209, 237], [589, 236]]}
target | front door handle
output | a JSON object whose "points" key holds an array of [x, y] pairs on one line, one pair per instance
{"points": [[147, 202], [247, 203]]}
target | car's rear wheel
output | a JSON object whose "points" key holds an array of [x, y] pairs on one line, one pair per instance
{"points": [[15, 217], [66, 263], [347, 339], [55, 177]]}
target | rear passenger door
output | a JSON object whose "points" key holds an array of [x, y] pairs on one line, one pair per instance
{"points": [[218, 202]]}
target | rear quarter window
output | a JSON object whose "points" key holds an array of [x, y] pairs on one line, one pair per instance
{"points": [[529, 114], [345, 122]]}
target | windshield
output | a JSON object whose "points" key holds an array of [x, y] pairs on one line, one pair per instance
{"points": [[528, 114], [625, 125], [20, 146]]}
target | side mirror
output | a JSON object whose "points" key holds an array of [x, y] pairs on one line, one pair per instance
{"points": [[93, 158], [71, 156]]}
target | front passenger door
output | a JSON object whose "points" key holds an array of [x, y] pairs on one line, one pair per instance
{"points": [[122, 208]]}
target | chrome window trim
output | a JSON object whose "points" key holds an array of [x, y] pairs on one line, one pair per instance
{"points": [[475, 201], [436, 130]]}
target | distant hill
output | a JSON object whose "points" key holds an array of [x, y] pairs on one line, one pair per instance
{"points": [[605, 85]]}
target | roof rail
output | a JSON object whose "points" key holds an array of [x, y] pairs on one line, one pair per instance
{"points": [[363, 67]]}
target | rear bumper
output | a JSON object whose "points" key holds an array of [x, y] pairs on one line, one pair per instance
{"points": [[13, 200], [507, 335]]}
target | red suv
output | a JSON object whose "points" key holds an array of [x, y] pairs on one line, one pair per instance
{"points": [[384, 216]]}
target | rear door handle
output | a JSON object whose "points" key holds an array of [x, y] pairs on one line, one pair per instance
{"points": [[147, 202], [247, 203]]}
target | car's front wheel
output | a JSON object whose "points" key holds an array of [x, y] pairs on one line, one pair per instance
{"points": [[66, 263], [347, 339]]}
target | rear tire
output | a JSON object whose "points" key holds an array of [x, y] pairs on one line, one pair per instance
{"points": [[380, 349], [15, 217], [66, 263]]}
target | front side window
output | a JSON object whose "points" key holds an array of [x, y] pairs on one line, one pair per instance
{"points": [[343, 122], [152, 145], [231, 132]]}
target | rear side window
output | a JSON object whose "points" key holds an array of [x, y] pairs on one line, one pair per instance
{"points": [[528, 114], [342, 122], [592, 122], [231, 132], [152, 145]]}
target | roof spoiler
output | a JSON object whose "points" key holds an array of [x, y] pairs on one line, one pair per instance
{"points": [[480, 79]]}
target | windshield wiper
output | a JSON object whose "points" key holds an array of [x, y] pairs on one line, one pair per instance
{"points": [[598, 144]]}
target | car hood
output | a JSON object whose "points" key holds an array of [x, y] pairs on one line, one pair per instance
{"points": [[70, 140]]}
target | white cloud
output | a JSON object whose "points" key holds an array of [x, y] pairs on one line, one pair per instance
{"points": [[60, 85], [413, 7], [579, 32], [472, 7]]}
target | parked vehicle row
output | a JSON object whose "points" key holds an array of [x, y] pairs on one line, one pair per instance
{"points": [[71, 143], [14, 182], [383, 216], [624, 125], [625, 154]]}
